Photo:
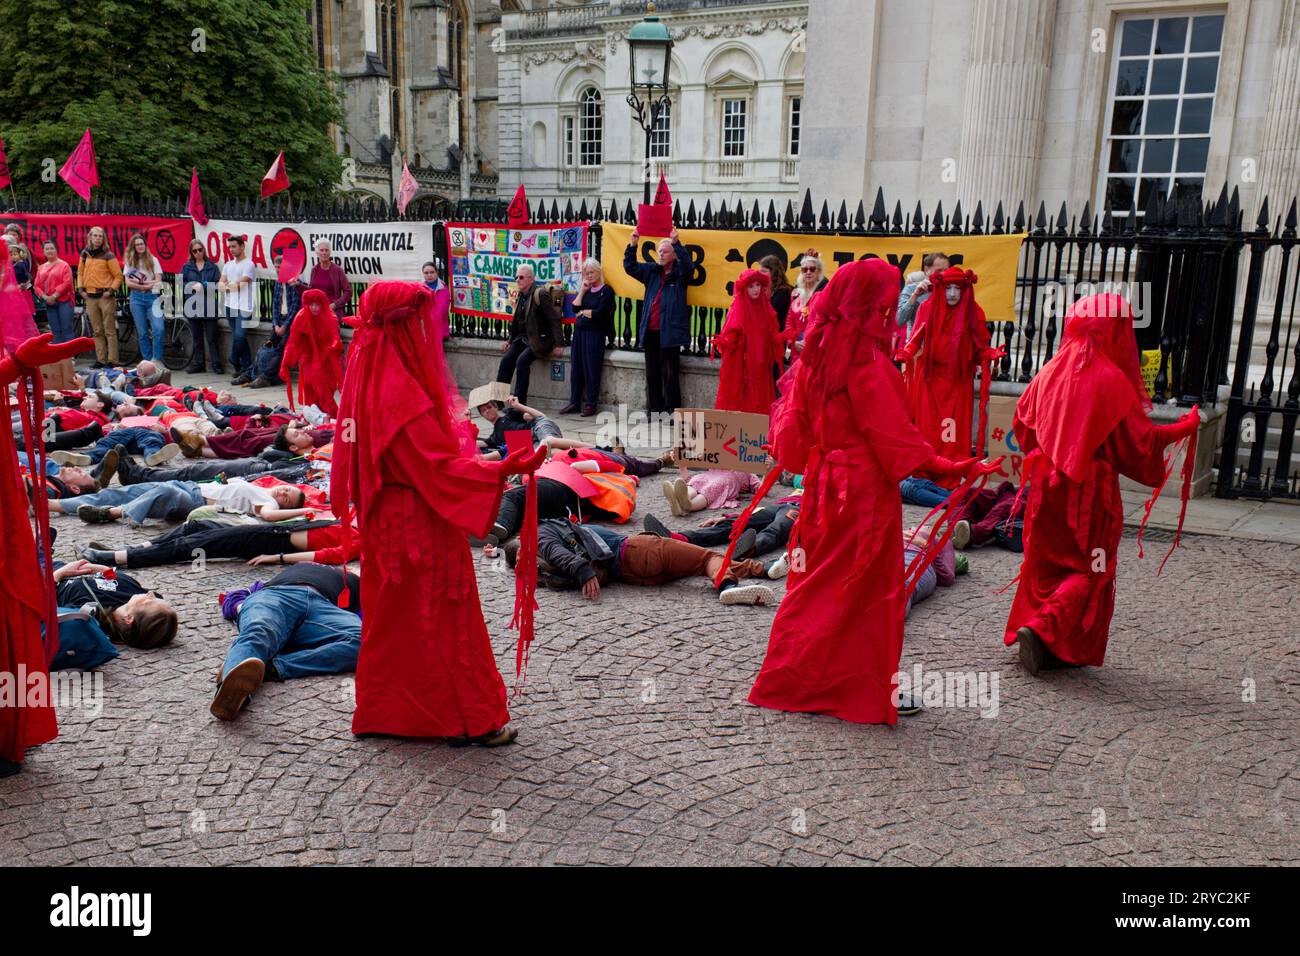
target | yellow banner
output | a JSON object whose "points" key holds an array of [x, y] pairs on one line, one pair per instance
{"points": [[720, 255]]}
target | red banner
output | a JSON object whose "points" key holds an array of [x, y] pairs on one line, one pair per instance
{"points": [[168, 239]]}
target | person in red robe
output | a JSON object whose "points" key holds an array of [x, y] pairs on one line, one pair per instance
{"points": [[750, 344], [952, 337], [843, 424], [26, 589], [315, 348], [404, 459], [1082, 423]]}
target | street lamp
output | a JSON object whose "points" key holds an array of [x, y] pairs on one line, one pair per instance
{"points": [[651, 47]]}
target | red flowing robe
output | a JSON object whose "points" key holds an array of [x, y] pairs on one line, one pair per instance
{"points": [[24, 594], [750, 344], [426, 666], [838, 634], [315, 348], [1082, 423], [953, 341]]}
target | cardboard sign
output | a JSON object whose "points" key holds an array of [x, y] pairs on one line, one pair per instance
{"points": [[491, 392], [707, 439], [1002, 440], [59, 375]]}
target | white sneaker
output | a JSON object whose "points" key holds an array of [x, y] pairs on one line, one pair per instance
{"points": [[164, 454], [748, 594], [961, 535], [314, 415], [780, 567], [71, 458]]}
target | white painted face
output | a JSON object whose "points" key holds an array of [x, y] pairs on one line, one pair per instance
{"points": [[952, 293]]}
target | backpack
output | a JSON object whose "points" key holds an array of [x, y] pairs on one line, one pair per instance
{"points": [[83, 645]]}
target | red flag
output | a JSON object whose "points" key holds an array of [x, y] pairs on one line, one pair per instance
{"points": [[80, 171], [5, 180], [517, 215], [406, 189], [276, 178], [198, 212], [662, 196], [293, 261]]}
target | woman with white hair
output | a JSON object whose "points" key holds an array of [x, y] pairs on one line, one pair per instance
{"points": [[328, 276], [594, 308], [812, 279]]}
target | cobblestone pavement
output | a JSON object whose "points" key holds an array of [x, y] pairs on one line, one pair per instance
{"points": [[637, 746]]}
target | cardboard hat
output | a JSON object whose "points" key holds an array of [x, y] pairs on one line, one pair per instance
{"points": [[491, 392]]}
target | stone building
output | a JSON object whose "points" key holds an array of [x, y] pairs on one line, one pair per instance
{"points": [[419, 81], [1052, 100], [733, 127]]}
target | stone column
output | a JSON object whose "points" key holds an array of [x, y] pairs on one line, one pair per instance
{"points": [[1006, 89], [1279, 151]]}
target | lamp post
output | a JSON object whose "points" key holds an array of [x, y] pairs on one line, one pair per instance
{"points": [[651, 49]]}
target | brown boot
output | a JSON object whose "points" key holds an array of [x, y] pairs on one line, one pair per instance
{"points": [[244, 680]]}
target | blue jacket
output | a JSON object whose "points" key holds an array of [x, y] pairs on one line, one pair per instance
{"points": [[674, 316]]}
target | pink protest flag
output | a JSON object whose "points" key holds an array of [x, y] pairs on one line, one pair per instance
{"points": [[198, 212], [656, 219], [80, 171], [276, 177], [406, 189], [293, 261], [5, 179]]}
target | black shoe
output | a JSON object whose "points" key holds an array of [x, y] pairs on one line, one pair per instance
{"points": [[96, 556], [193, 370], [908, 705], [218, 370], [95, 514], [1033, 655], [568, 409], [8, 768], [498, 534], [655, 526], [240, 380], [261, 382], [745, 545], [126, 473]]}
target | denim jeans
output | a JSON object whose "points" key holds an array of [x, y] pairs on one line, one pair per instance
{"points": [[156, 499], [241, 356], [59, 317], [51, 467], [298, 630], [136, 441], [923, 492], [147, 312]]}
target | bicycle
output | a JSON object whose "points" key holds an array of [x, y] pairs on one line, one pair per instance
{"points": [[178, 341]]}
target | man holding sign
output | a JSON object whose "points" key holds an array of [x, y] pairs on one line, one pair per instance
{"points": [[665, 319]]}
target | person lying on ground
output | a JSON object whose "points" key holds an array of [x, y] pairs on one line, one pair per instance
{"points": [[767, 530], [588, 459], [942, 573], [709, 489], [60, 481], [173, 500], [554, 500], [128, 612], [294, 470], [290, 627], [992, 515], [588, 557], [284, 543], [292, 440], [510, 416]]}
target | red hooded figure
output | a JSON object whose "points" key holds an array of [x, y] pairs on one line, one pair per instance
{"points": [[750, 345], [405, 460], [843, 424], [315, 348], [1082, 423], [953, 341]]}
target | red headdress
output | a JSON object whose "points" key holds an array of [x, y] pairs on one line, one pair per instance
{"points": [[315, 348]]}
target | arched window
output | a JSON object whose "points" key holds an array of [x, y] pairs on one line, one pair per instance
{"points": [[591, 127], [388, 18]]}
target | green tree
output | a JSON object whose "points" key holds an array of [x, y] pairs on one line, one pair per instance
{"points": [[165, 85]]}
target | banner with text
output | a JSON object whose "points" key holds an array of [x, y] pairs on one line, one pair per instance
{"points": [[484, 257], [367, 251], [720, 255], [168, 239]]}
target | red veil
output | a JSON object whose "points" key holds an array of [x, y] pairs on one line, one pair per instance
{"points": [[750, 344], [315, 348]]}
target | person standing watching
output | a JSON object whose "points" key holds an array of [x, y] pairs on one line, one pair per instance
{"points": [[238, 286], [328, 276], [594, 308], [199, 278], [918, 289], [54, 289], [535, 332], [98, 279], [143, 276], [665, 319]]}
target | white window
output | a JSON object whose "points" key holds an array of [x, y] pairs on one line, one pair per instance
{"points": [[1163, 82], [661, 133], [591, 127], [734, 129], [792, 124], [567, 145]]}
